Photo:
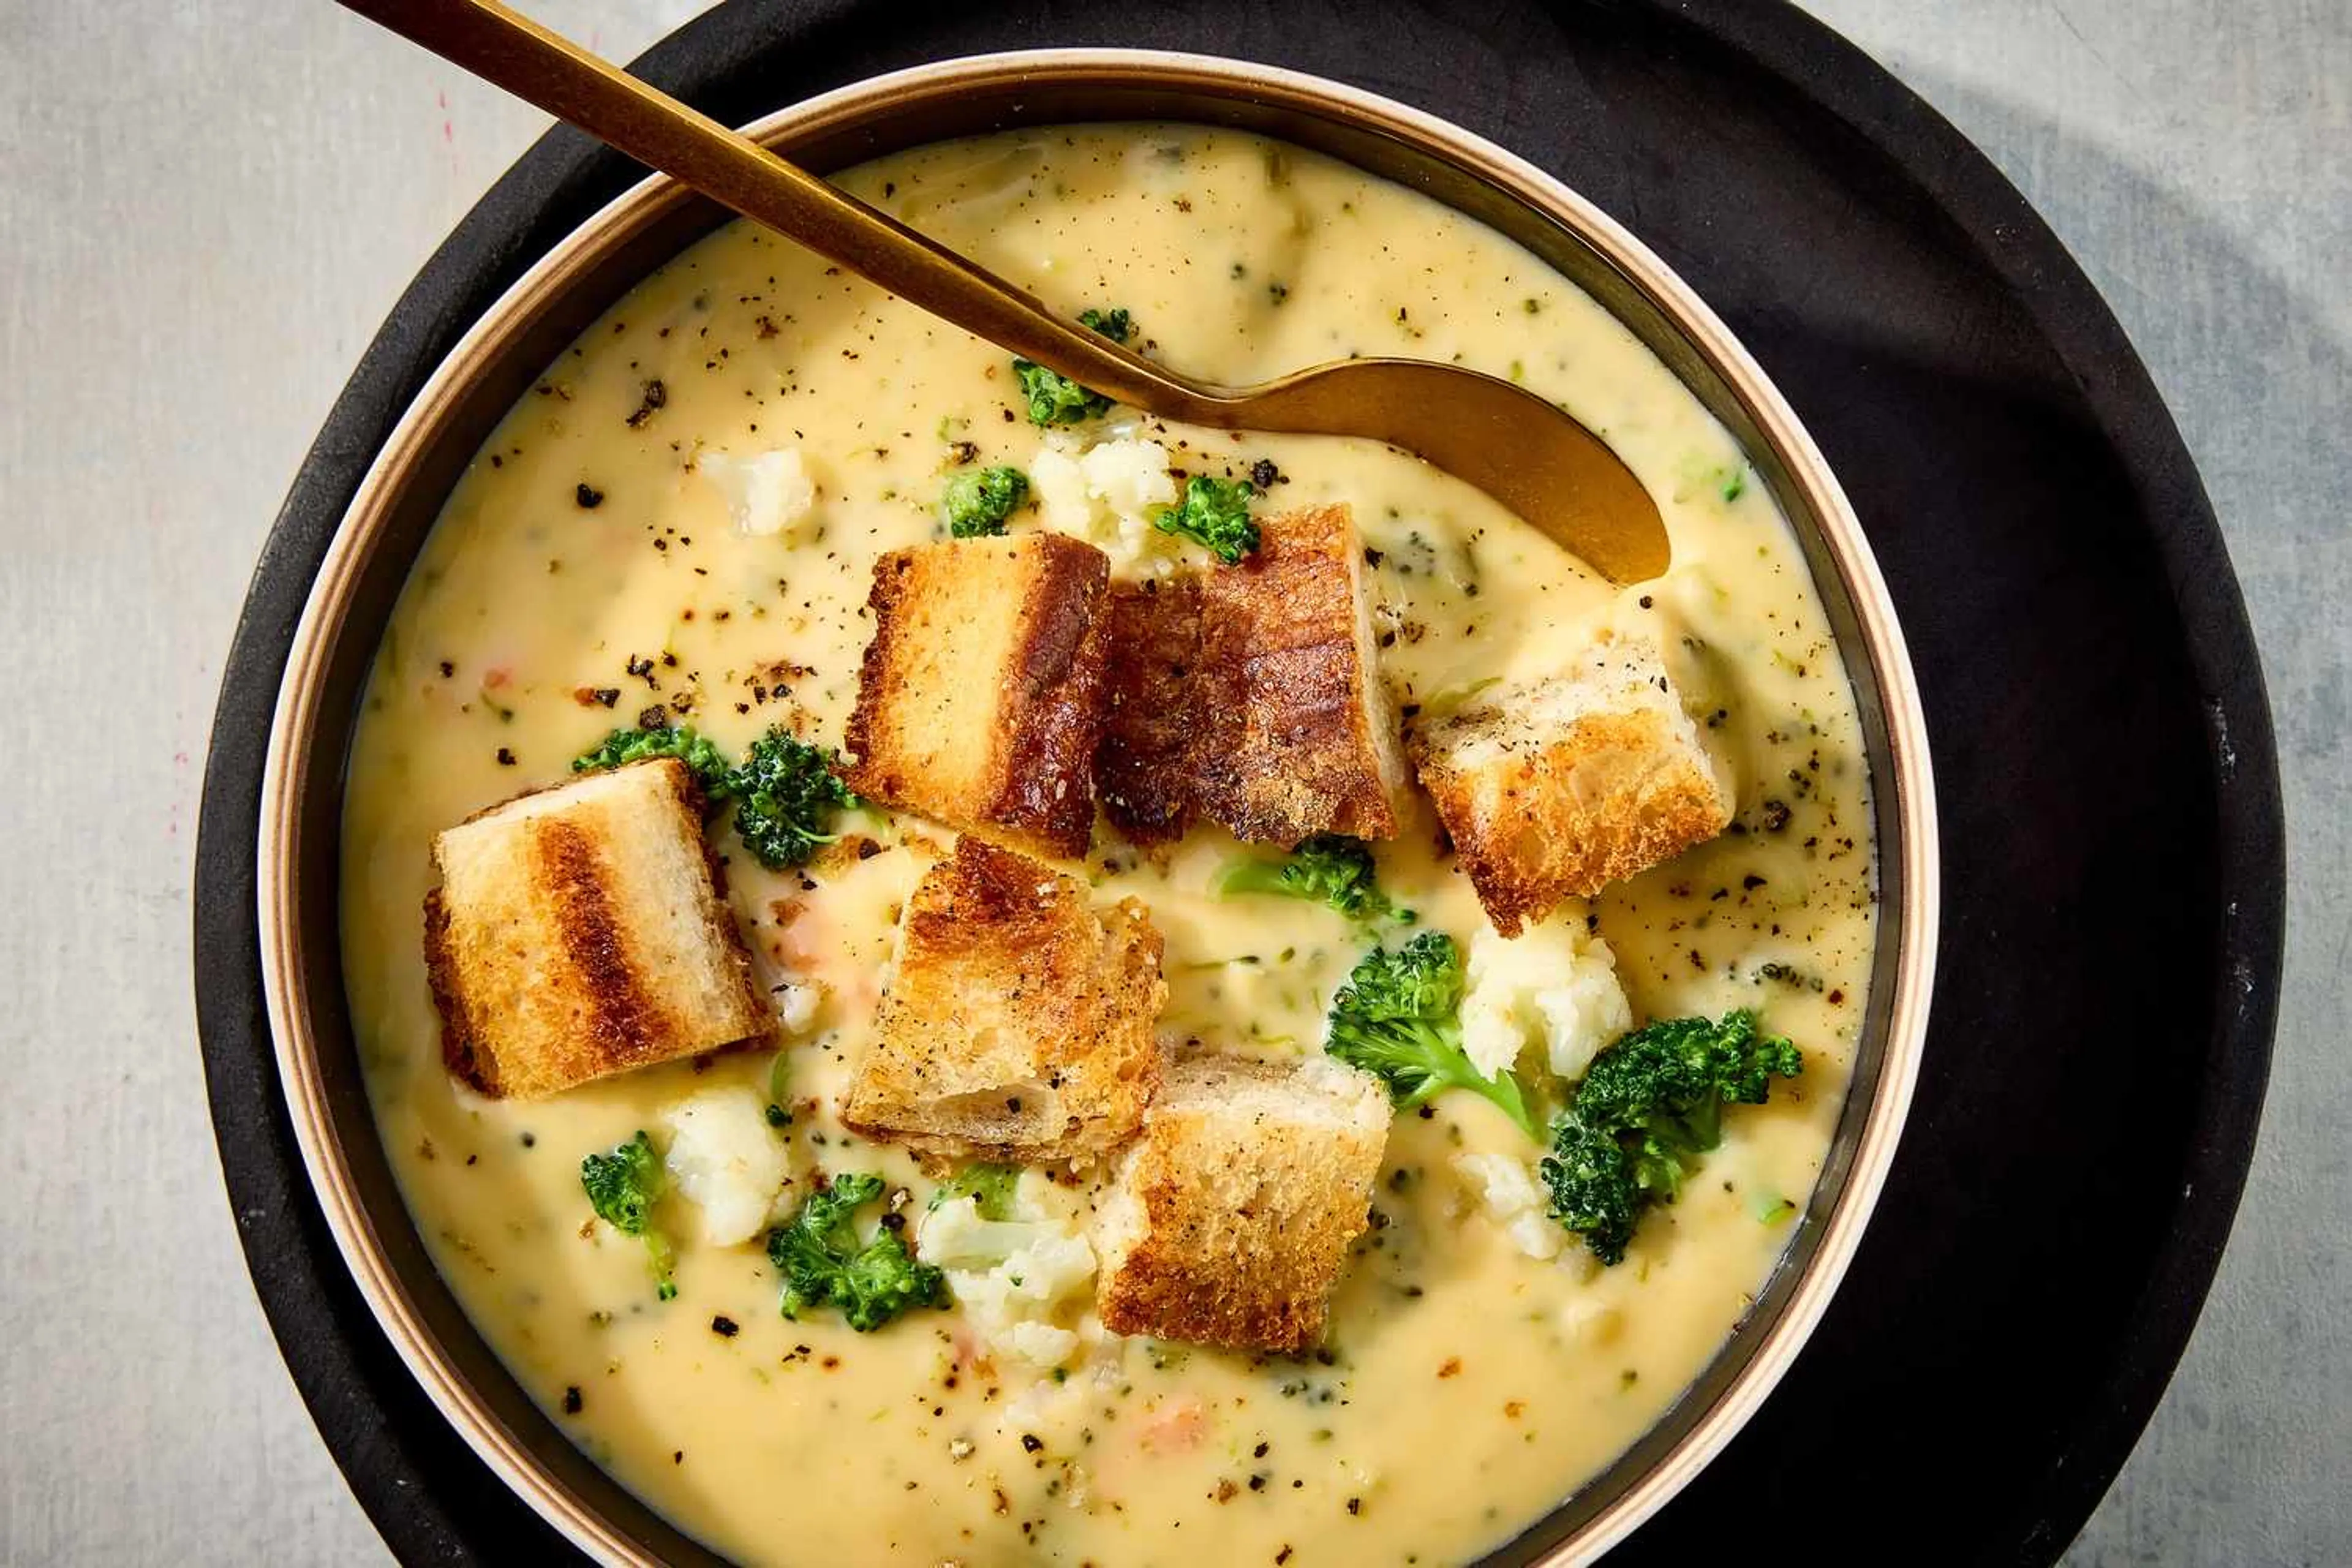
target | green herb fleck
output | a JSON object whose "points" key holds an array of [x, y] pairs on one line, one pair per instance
{"points": [[779, 1091]]}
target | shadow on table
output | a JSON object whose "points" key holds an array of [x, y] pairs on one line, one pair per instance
{"points": [[2076, 740], [2243, 1460]]}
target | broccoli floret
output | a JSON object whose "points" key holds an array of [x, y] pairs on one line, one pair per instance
{"points": [[1649, 1106], [1214, 512], [1054, 399], [622, 1187], [1330, 869], [1400, 1018], [824, 1263], [979, 501], [1594, 1192], [703, 760], [991, 1187], [785, 793]]}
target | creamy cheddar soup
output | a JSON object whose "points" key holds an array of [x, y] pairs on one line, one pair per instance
{"points": [[684, 514]]}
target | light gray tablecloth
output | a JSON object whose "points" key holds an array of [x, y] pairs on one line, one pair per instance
{"points": [[205, 209]]}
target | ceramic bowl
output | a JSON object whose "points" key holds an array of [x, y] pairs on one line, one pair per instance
{"points": [[370, 553]]}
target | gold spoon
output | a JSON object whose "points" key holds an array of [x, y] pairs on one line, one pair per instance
{"points": [[1513, 445]]}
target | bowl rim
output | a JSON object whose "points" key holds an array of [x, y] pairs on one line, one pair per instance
{"points": [[1913, 931]]}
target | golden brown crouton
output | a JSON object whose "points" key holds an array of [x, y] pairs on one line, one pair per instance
{"points": [[981, 696], [1145, 762], [1300, 737], [1554, 789], [578, 932], [1251, 694], [1230, 1217], [1019, 1025]]}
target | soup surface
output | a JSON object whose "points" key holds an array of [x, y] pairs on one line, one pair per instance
{"points": [[591, 565]]}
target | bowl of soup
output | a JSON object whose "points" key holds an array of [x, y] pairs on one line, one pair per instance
{"points": [[843, 997]]}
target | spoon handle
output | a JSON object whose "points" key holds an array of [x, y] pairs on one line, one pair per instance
{"points": [[513, 52]]}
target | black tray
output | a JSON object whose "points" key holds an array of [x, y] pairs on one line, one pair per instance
{"points": [[2113, 859]]}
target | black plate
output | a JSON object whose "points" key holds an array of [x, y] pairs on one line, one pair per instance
{"points": [[2113, 855]]}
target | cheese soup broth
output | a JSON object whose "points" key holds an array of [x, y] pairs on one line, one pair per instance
{"points": [[583, 569]]}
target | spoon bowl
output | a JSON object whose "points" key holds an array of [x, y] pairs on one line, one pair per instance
{"points": [[1485, 431]]}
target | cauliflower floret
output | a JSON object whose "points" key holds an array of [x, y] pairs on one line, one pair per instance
{"points": [[1543, 981], [1012, 1278], [1060, 486], [1128, 476], [955, 1235], [796, 1002], [1039, 1344], [1106, 493], [766, 494], [726, 1161], [1513, 1201]]}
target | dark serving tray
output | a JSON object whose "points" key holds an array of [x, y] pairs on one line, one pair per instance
{"points": [[2113, 857]]}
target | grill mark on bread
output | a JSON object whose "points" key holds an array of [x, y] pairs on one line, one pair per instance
{"points": [[1145, 761], [1303, 738], [622, 1017], [1006, 747], [578, 931], [1251, 694], [1044, 786]]}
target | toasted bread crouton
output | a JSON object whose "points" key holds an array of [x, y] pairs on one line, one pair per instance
{"points": [[578, 933], [981, 696], [1230, 1217], [1250, 694], [1019, 1025], [1555, 789], [1299, 736], [1145, 762]]}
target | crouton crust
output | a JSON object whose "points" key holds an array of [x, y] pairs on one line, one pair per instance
{"points": [[1019, 1024], [980, 698], [579, 933], [1555, 790], [1144, 765], [1251, 694], [1230, 1217], [1300, 735]]}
